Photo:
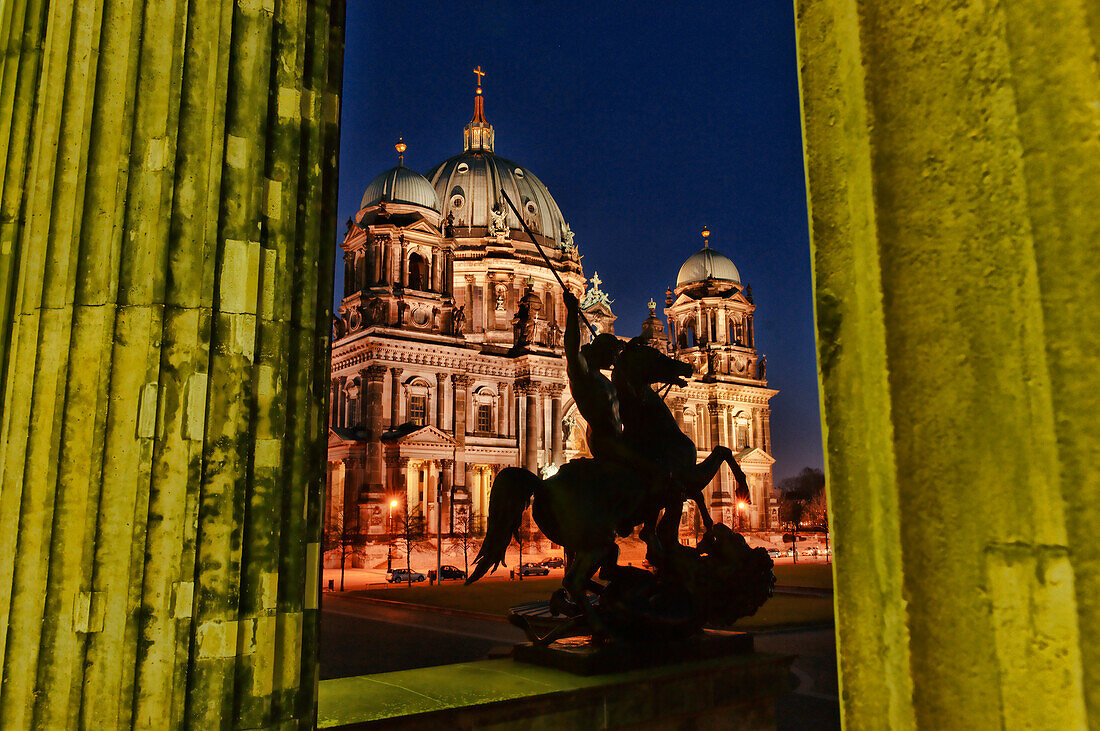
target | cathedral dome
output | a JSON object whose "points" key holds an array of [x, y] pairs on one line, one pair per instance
{"points": [[707, 264], [468, 186], [401, 185]]}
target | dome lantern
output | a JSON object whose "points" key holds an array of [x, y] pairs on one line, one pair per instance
{"points": [[478, 134]]}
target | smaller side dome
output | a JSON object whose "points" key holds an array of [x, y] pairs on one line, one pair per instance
{"points": [[401, 185], [707, 264]]}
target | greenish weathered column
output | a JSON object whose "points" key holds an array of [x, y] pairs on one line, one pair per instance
{"points": [[166, 226], [953, 168]]}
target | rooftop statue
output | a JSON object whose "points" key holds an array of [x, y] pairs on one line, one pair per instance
{"points": [[643, 469]]}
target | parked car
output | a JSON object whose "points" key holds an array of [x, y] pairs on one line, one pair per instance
{"points": [[533, 569], [774, 552], [811, 551], [554, 562], [451, 572], [401, 576]]}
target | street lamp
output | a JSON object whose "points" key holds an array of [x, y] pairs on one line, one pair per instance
{"points": [[389, 543], [740, 509]]}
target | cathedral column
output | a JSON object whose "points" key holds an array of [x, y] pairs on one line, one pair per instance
{"points": [[440, 399], [360, 269], [373, 376], [472, 483], [446, 488], [712, 414], [333, 389], [349, 273], [471, 312], [757, 428], [555, 424], [336, 406], [461, 383], [531, 429], [725, 475], [502, 410], [404, 263], [394, 269], [766, 429], [401, 484], [488, 302], [395, 396]]}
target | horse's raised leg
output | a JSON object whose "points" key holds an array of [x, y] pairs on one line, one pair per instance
{"points": [[700, 476]]}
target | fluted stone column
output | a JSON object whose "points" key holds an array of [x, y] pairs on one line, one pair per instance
{"points": [[712, 421], [956, 144], [395, 396], [502, 409], [166, 263], [440, 398], [446, 486], [461, 383], [531, 428], [374, 376]]}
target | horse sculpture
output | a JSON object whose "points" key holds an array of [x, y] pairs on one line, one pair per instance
{"points": [[580, 507], [648, 424], [588, 501]]}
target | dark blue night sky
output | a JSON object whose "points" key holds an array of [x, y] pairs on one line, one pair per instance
{"points": [[645, 120]]}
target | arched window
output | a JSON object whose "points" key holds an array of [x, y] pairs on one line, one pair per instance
{"points": [[418, 272], [687, 334]]}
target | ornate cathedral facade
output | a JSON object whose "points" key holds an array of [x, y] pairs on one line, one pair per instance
{"points": [[447, 360]]}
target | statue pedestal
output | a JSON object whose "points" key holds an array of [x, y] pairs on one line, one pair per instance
{"points": [[578, 656], [733, 692]]}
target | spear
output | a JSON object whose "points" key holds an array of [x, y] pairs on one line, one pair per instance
{"points": [[554, 271]]}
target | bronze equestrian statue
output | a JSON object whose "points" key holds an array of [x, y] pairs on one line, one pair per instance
{"points": [[642, 471]]}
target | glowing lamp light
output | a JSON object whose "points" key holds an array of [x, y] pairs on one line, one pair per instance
{"points": [[393, 503], [741, 505]]}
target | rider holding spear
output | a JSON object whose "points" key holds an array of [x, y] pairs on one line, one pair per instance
{"points": [[595, 395]]}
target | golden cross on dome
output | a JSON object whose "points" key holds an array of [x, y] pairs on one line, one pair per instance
{"points": [[596, 281], [480, 74]]}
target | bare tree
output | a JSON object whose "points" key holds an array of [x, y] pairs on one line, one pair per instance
{"points": [[344, 538], [524, 535], [465, 528], [408, 527], [815, 510]]}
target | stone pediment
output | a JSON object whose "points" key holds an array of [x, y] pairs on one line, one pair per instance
{"points": [[683, 299], [422, 226], [425, 436], [338, 436], [754, 456]]}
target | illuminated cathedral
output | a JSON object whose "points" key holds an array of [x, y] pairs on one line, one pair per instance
{"points": [[447, 360]]}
